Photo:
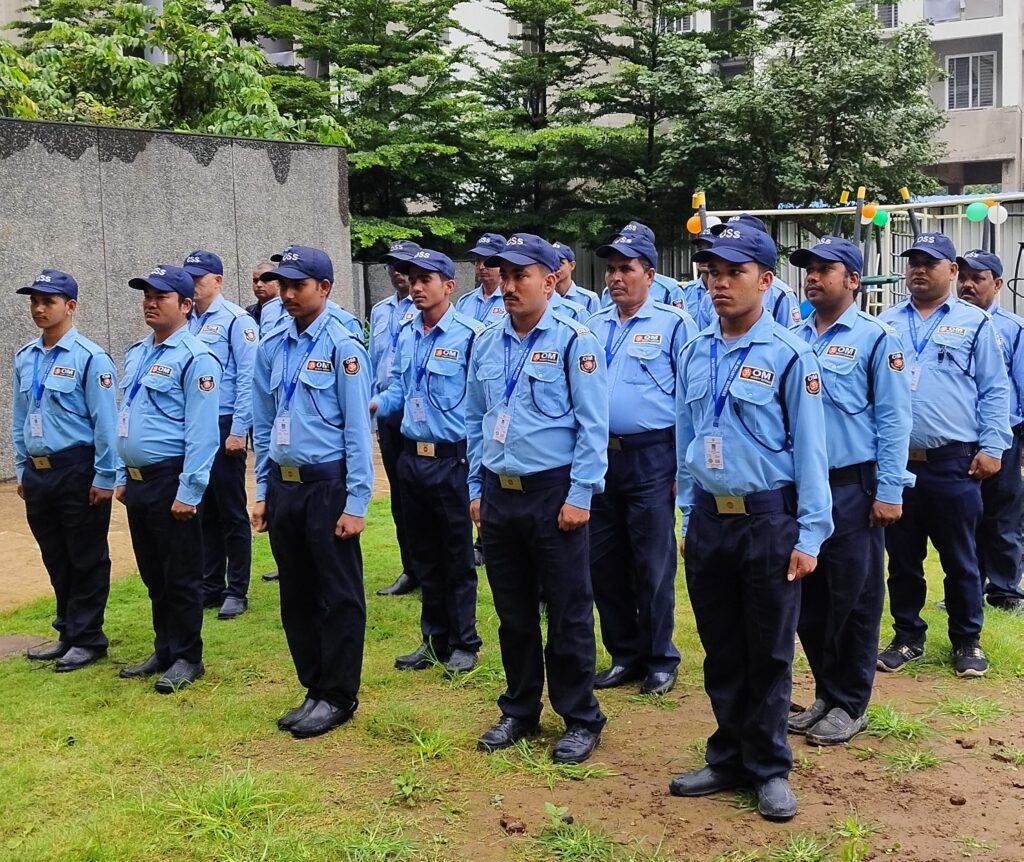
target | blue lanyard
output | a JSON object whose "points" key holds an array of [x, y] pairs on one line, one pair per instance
{"points": [[484, 304], [825, 340], [611, 349], [421, 367], [510, 382], [911, 314], [39, 385], [137, 382], [289, 387], [395, 331], [721, 397]]}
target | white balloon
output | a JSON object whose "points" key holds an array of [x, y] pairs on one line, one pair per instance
{"points": [[866, 219], [997, 214], [713, 220]]}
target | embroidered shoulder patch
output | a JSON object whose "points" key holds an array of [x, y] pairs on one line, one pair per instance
{"points": [[812, 383], [249, 334], [207, 383], [588, 363], [105, 380], [351, 365], [896, 362]]}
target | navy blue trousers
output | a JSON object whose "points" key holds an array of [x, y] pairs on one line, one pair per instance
{"points": [[526, 552], [392, 443], [633, 557], [323, 606], [999, 540], [439, 535], [227, 538], [746, 613], [944, 506], [841, 603], [72, 537], [169, 555]]}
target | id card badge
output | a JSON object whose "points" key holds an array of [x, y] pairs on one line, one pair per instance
{"points": [[417, 409], [35, 424], [283, 430], [915, 376], [501, 426], [122, 424], [713, 456]]}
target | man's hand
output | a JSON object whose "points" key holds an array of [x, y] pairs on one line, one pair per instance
{"points": [[474, 512], [182, 511], [682, 547], [884, 514], [99, 495], [800, 565], [234, 445], [21, 492], [984, 466], [258, 517], [119, 494], [349, 526], [373, 409], [572, 518]]}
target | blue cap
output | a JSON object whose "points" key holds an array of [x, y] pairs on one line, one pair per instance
{"points": [[741, 220], [631, 245], [427, 258], [706, 235], [634, 228], [401, 249], [489, 244], [936, 245], [522, 249], [830, 248], [741, 245], [564, 252], [167, 279], [202, 262], [52, 281], [978, 258], [299, 262]]}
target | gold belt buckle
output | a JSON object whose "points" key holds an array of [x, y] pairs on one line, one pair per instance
{"points": [[511, 483], [615, 444], [41, 462], [135, 473], [425, 450], [290, 474], [730, 505], [917, 455]]}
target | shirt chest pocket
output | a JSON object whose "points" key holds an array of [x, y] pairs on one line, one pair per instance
{"points": [[445, 383], [317, 396], [697, 403], [62, 388], [648, 363], [753, 406], [842, 382], [953, 348], [549, 390], [491, 380], [164, 396], [214, 336]]}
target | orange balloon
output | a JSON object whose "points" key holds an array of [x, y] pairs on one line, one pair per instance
{"points": [[693, 224], [991, 203], [868, 211]]}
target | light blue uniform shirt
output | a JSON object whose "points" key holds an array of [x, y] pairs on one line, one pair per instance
{"points": [[428, 378], [485, 309], [581, 296], [959, 389], [271, 315], [777, 386], [387, 318], [76, 406], [1009, 329], [558, 411], [866, 395], [641, 357], [347, 319], [174, 410], [328, 415], [663, 289], [560, 304], [230, 334], [693, 296], [779, 300]]}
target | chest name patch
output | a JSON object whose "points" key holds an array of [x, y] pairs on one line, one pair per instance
{"points": [[161, 370], [647, 338], [498, 309], [62, 371], [324, 365], [843, 351], [213, 328], [953, 330], [547, 357], [448, 353], [757, 375]]}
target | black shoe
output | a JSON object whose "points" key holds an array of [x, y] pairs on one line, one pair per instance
{"points": [[707, 780], [897, 654], [575, 745], [617, 675], [212, 602], [1010, 606], [419, 659], [147, 668], [294, 716], [79, 657], [660, 682], [478, 556], [270, 576], [506, 732], [232, 607], [322, 717], [836, 728], [461, 661], [179, 675], [402, 585], [48, 651], [775, 800], [969, 660], [805, 719]]}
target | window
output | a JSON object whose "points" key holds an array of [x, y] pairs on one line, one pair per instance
{"points": [[971, 82], [733, 17], [888, 14], [675, 24]]}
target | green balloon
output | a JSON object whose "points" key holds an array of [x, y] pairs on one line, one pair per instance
{"points": [[977, 211], [881, 218]]}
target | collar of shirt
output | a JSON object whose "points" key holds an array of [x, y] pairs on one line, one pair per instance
{"points": [[212, 308], [947, 304], [442, 325], [479, 290], [172, 340], [846, 320], [66, 342], [547, 321], [295, 335], [645, 310], [759, 333]]}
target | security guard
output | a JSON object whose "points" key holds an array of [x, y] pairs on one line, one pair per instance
{"points": [[632, 528], [428, 391], [314, 477], [267, 308], [387, 318], [979, 278], [753, 489], [230, 334], [484, 302], [663, 289], [566, 287], [960, 399], [537, 429], [345, 317], [167, 438], [866, 395], [65, 459], [694, 291]]}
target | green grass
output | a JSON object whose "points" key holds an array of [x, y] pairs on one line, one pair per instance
{"points": [[972, 710], [906, 760], [887, 722]]}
